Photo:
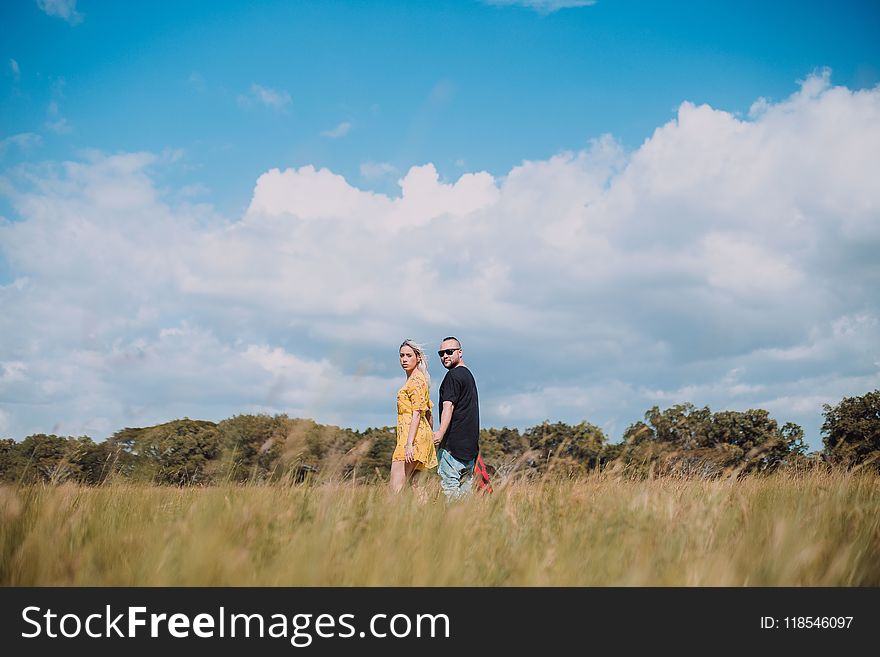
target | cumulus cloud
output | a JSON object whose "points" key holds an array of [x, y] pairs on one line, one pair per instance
{"points": [[727, 261], [64, 9], [272, 98], [543, 6], [339, 131]]}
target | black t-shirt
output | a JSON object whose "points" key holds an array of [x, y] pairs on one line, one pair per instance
{"points": [[462, 438]]}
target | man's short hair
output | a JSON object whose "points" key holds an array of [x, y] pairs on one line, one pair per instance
{"points": [[452, 337]]}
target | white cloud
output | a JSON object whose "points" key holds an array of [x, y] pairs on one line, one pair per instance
{"points": [[377, 170], [441, 93], [16, 71], [193, 191], [197, 81], [64, 9], [308, 193], [339, 131], [737, 265], [543, 6], [12, 371], [4, 424], [727, 261], [57, 123], [273, 98], [60, 126], [24, 141]]}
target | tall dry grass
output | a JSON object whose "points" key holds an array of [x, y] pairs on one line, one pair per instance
{"points": [[810, 530]]}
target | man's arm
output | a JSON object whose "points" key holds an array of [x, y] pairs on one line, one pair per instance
{"points": [[445, 420]]}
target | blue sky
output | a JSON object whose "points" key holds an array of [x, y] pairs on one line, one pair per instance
{"points": [[245, 207], [481, 85]]}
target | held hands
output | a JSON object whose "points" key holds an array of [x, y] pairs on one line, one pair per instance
{"points": [[437, 437]]}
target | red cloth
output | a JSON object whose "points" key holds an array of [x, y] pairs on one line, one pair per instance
{"points": [[482, 476]]}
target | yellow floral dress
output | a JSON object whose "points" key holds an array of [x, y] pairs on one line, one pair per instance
{"points": [[414, 396]]}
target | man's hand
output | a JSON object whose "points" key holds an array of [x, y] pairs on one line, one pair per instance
{"points": [[437, 437]]}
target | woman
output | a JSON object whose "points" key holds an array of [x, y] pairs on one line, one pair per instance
{"points": [[415, 425]]}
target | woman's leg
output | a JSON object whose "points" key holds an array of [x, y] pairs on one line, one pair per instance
{"points": [[410, 470], [398, 475], [418, 488]]}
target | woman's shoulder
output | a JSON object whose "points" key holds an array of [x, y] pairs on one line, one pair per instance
{"points": [[417, 380]]}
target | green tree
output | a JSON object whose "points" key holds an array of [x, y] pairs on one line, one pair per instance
{"points": [[851, 431], [328, 451], [92, 463], [686, 440], [501, 448], [565, 449], [675, 440], [43, 457], [754, 440], [11, 462], [178, 452], [684, 425], [251, 446], [378, 445]]}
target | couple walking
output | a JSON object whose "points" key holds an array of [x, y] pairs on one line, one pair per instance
{"points": [[454, 447]]}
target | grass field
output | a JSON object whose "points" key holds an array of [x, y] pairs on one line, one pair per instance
{"points": [[783, 530]]}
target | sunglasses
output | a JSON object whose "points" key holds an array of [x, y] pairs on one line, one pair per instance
{"points": [[447, 352]]}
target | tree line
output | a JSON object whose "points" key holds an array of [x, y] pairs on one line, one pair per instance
{"points": [[682, 440]]}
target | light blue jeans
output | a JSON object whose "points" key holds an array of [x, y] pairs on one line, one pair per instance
{"points": [[456, 477]]}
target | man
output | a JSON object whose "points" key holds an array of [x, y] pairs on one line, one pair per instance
{"points": [[458, 437]]}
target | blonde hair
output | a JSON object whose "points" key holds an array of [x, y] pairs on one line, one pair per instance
{"points": [[419, 350]]}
